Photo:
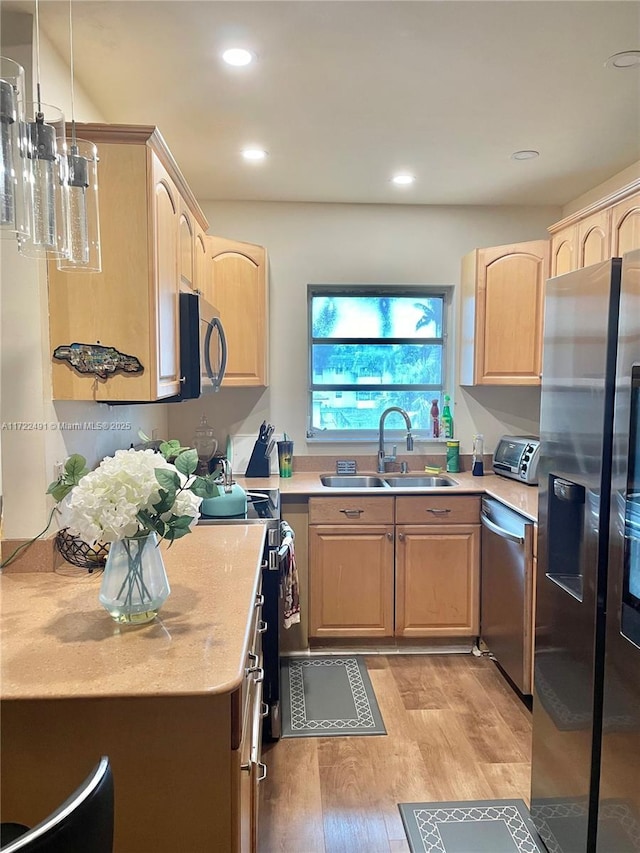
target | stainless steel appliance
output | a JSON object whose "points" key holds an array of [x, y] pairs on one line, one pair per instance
{"points": [[507, 589], [203, 346], [586, 709], [264, 508], [516, 456]]}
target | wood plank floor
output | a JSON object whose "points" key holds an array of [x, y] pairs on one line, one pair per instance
{"points": [[455, 731]]}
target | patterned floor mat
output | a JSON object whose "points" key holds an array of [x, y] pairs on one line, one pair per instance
{"points": [[474, 826], [325, 697]]}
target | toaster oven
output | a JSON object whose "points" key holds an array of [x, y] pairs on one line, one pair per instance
{"points": [[516, 456]]}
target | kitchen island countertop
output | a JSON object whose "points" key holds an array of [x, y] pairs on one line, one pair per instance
{"points": [[58, 642]]}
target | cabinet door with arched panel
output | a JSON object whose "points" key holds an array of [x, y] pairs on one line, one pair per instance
{"points": [[564, 254], [187, 248], [594, 238], [625, 226], [239, 291]]}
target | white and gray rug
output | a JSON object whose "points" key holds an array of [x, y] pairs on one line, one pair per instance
{"points": [[328, 697], [474, 826]]}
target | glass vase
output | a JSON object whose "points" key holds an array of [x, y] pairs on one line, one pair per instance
{"points": [[134, 585]]}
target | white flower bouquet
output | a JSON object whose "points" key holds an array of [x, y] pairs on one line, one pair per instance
{"points": [[134, 493]]}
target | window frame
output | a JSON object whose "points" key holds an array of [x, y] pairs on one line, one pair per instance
{"points": [[394, 428]]}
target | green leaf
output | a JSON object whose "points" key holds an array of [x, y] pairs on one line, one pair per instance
{"points": [[59, 490], [204, 487], [166, 501], [187, 462], [75, 468], [180, 521], [178, 533], [151, 522], [172, 448], [169, 480]]}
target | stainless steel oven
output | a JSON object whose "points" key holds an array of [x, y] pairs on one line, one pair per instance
{"points": [[263, 507]]}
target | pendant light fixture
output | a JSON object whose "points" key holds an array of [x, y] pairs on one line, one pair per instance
{"points": [[81, 176], [45, 167], [13, 212]]}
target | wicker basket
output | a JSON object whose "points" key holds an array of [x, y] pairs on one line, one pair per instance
{"points": [[79, 553]]}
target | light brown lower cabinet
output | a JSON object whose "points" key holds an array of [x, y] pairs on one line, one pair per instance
{"points": [[437, 580], [371, 575], [351, 580]]}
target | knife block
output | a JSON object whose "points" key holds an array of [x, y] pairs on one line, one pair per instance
{"points": [[260, 463]]}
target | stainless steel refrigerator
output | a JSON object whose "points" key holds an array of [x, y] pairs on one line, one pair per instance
{"points": [[585, 775]]}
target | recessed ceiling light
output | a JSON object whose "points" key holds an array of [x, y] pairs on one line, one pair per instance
{"points": [[623, 60], [403, 180], [237, 56], [254, 153], [526, 154]]}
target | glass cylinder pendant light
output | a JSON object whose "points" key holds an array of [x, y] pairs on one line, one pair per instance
{"points": [[83, 220], [81, 176], [13, 213], [47, 194], [45, 173]]}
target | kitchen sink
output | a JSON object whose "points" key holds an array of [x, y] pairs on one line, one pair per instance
{"points": [[352, 481], [419, 482]]}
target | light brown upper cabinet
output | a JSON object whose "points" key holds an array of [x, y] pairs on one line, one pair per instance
{"points": [[146, 212], [564, 251], [606, 229], [594, 238], [187, 248], [239, 290], [502, 314], [625, 226], [202, 264]]}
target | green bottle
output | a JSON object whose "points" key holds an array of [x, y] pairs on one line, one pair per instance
{"points": [[446, 420]]}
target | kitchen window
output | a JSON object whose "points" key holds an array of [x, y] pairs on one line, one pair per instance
{"points": [[371, 348]]}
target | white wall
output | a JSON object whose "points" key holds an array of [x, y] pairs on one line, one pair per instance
{"points": [[28, 456], [335, 243]]}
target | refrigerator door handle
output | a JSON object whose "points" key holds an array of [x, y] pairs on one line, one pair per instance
{"points": [[500, 531]]}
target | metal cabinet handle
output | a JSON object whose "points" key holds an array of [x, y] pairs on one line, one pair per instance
{"points": [[253, 656], [264, 710], [246, 767], [262, 627], [263, 768], [439, 511], [259, 600], [390, 536], [401, 537], [256, 671], [352, 513]]}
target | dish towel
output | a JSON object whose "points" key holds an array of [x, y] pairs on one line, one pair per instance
{"points": [[290, 584]]}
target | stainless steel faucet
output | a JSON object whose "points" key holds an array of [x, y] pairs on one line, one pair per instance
{"points": [[381, 454]]}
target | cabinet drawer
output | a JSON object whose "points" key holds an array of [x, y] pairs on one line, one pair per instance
{"points": [[351, 509], [438, 509]]}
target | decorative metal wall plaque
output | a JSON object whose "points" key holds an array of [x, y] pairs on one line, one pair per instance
{"points": [[96, 359]]}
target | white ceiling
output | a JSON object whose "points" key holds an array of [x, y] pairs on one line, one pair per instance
{"points": [[343, 94]]}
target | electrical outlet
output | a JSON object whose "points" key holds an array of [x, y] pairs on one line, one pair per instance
{"points": [[58, 468]]}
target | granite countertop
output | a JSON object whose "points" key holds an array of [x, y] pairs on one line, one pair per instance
{"points": [[517, 496], [58, 642]]}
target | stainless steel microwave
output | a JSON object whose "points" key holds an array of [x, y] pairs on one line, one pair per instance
{"points": [[203, 347], [516, 456]]}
